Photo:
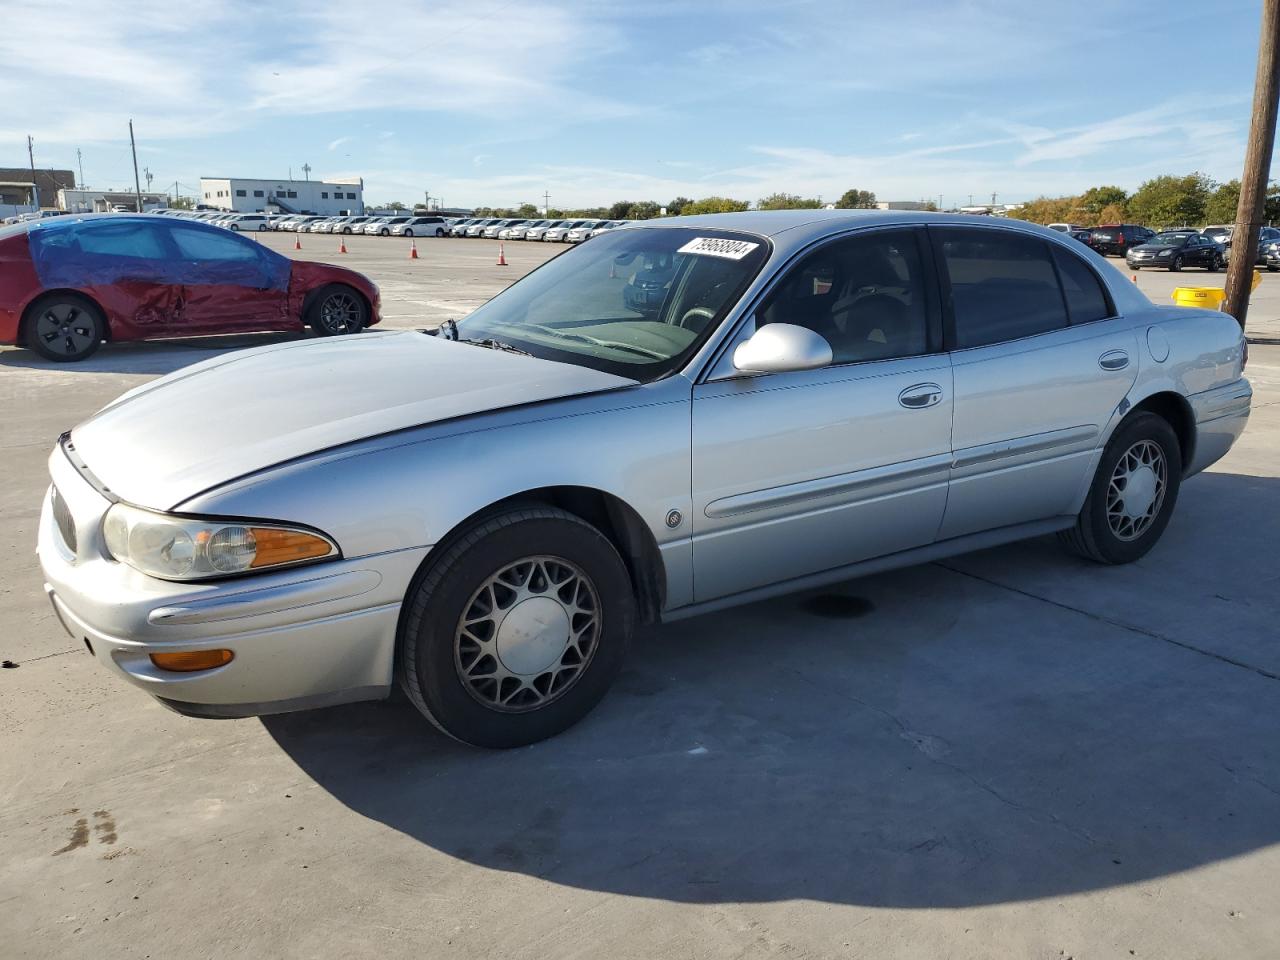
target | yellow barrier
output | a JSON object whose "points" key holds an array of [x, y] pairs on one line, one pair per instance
{"points": [[1208, 298]]}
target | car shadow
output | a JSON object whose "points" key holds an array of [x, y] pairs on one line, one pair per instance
{"points": [[993, 728], [148, 356]]}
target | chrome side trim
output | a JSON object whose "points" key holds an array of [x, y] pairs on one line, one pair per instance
{"points": [[250, 603], [906, 558], [1004, 449], [870, 482]]}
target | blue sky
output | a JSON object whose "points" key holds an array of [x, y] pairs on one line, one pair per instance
{"points": [[493, 102]]}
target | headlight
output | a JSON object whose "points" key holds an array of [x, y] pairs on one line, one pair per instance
{"points": [[184, 548], [1164, 253]]}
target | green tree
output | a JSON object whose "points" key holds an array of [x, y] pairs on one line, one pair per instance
{"points": [[182, 203], [856, 200], [1172, 201], [1095, 198], [395, 205], [786, 201], [1046, 210], [714, 205], [1223, 203], [621, 210], [644, 210], [676, 206], [527, 210]]}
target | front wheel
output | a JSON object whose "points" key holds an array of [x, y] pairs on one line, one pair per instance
{"points": [[235, 228], [336, 310], [408, 233], [384, 232], [1176, 265], [65, 328], [516, 632], [1132, 495]]}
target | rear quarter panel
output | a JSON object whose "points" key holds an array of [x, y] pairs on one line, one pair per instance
{"points": [[19, 285]]}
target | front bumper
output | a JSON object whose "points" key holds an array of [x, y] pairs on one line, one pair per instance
{"points": [[1148, 261], [301, 637]]}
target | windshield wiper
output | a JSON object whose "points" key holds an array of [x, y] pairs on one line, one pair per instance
{"points": [[449, 331], [596, 341]]}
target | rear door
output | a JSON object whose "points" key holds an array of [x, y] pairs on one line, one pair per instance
{"points": [[230, 282], [1040, 361], [127, 265]]}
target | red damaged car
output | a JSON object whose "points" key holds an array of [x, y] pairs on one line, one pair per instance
{"points": [[68, 283]]}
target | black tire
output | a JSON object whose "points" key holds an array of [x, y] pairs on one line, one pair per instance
{"points": [[1214, 263], [1272, 268], [408, 233], [1093, 535], [337, 309], [384, 232], [64, 327], [439, 232], [235, 228], [1134, 268], [430, 662], [1176, 264]]}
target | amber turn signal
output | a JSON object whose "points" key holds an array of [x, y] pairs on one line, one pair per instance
{"points": [[286, 546], [191, 660]]}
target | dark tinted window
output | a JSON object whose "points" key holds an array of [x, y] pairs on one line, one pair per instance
{"points": [[865, 296], [1086, 300], [1003, 286]]}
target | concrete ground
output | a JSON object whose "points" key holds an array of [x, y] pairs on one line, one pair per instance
{"points": [[1011, 754]]}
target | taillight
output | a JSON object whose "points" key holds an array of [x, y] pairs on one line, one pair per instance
{"points": [[1244, 359], [1119, 238]]}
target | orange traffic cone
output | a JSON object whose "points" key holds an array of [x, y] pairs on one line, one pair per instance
{"points": [[297, 242], [413, 249], [342, 245], [1134, 278], [502, 256]]}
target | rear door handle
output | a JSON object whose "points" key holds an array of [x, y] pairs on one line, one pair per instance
{"points": [[920, 395], [1113, 360]]}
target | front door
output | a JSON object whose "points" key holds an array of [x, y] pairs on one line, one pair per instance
{"points": [[1041, 363], [230, 282], [802, 472]]}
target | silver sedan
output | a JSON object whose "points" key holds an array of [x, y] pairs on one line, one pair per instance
{"points": [[671, 419]]}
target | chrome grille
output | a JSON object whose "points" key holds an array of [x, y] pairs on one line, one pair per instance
{"points": [[62, 517]]}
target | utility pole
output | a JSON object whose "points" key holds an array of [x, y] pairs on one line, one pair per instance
{"points": [[546, 203], [1257, 161], [306, 170], [31, 156], [939, 203], [137, 184], [146, 173], [80, 164], [175, 192], [971, 199]]}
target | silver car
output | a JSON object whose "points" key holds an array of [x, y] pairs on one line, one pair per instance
{"points": [[517, 230], [583, 231], [424, 226], [672, 419]]}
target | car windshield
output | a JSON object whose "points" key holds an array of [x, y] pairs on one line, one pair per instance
{"points": [[636, 303], [1168, 240]]}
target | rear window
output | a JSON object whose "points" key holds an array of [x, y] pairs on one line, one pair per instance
{"points": [[1086, 299], [1003, 286]]}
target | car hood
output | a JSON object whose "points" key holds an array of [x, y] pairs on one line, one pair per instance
{"points": [[1152, 248], [207, 424]]}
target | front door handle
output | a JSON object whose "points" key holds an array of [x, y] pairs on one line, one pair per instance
{"points": [[920, 395], [1113, 360]]}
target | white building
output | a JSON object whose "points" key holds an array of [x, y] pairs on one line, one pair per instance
{"points": [[902, 205], [284, 196], [104, 201]]}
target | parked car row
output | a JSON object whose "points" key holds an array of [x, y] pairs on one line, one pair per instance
{"points": [[552, 231]]}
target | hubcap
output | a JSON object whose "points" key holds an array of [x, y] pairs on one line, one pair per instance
{"points": [[527, 634], [1135, 493], [340, 313], [63, 327]]}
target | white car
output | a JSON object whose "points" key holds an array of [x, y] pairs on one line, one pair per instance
{"points": [[491, 232], [327, 225], [255, 222], [477, 229], [350, 224], [382, 226], [424, 226], [536, 233], [561, 233], [578, 234], [518, 230], [459, 227]]}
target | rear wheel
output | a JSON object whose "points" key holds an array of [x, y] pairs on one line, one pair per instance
{"points": [[1132, 495], [516, 632], [439, 232], [336, 310], [65, 327], [1214, 263]]}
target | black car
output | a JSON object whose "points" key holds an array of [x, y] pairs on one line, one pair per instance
{"points": [[1082, 235], [1176, 250], [1117, 238]]}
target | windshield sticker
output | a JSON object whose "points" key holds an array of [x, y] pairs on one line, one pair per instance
{"points": [[716, 247]]}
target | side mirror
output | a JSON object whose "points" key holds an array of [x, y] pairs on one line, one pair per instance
{"points": [[782, 347]]}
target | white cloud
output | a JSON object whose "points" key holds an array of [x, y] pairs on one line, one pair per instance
{"points": [[335, 144]]}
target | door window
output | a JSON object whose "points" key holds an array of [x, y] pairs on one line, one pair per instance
{"points": [[124, 239], [865, 295], [1003, 286], [202, 245], [1086, 300]]}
